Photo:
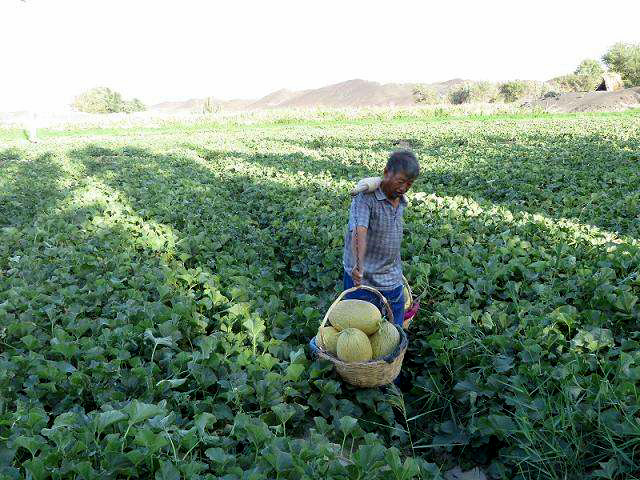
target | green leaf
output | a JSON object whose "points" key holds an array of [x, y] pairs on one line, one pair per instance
{"points": [[67, 419], [203, 420], [284, 461], [369, 457], [294, 371], [239, 310], [347, 424], [166, 341], [593, 339], [139, 411], [283, 411], [103, 419], [206, 344], [6, 455], [37, 468], [217, 455], [33, 443], [503, 363], [153, 441], [167, 471], [172, 383]]}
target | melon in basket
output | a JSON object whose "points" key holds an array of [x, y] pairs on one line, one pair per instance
{"points": [[354, 313], [353, 346], [385, 340], [327, 339], [407, 298]]}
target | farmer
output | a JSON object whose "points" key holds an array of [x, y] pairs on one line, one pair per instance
{"points": [[375, 219]]}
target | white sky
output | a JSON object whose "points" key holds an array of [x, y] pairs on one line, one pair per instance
{"points": [[160, 50]]}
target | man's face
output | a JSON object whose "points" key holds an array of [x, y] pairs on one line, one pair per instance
{"points": [[397, 183]]}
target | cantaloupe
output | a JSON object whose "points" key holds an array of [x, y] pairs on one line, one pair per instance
{"points": [[353, 346], [354, 313], [385, 340], [407, 298], [327, 339]]}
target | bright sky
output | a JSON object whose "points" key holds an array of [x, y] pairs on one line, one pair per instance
{"points": [[159, 50]]}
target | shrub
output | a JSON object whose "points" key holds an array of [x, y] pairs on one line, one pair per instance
{"points": [[513, 90], [210, 106], [460, 94], [577, 83], [105, 100], [134, 105], [585, 78], [624, 58], [426, 95], [551, 94], [589, 68], [484, 92], [474, 92]]}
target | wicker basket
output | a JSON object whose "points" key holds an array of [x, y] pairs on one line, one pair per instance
{"points": [[373, 373]]}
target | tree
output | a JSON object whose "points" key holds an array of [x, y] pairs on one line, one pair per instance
{"points": [[589, 68], [513, 90], [577, 83], [134, 105], [484, 92], [585, 78], [105, 100], [624, 58]]}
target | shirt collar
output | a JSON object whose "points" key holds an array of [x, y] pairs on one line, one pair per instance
{"points": [[380, 195]]}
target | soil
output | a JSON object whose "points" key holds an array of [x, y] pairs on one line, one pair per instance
{"points": [[591, 101]]}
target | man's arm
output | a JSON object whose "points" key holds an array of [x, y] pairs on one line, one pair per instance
{"points": [[358, 253]]}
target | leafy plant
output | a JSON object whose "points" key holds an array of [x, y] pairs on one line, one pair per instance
{"points": [[158, 290]]}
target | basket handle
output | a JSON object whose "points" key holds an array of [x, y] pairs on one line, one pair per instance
{"points": [[353, 289]]}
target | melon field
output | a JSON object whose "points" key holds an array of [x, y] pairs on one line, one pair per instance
{"points": [[159, 287]]}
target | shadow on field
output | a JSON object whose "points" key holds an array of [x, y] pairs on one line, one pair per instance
{"points": [[332, 166], [28, 186], [100, 269], [247, 208]]}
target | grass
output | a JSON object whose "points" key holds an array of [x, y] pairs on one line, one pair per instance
{"points": [[301, 119]]}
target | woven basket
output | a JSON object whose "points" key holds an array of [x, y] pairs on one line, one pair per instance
{"points": [[373, 373]]}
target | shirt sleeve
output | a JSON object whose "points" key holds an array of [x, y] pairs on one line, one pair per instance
{"points": [[359, 212]]}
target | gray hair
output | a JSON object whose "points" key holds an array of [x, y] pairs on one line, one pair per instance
{"points": [[403, 161]]}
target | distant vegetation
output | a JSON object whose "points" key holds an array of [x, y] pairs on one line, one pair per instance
{"points": [[622, 58], [105, 100], [586, 77]]}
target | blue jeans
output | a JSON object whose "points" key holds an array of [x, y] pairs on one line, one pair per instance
{"points": [[395, 297]]}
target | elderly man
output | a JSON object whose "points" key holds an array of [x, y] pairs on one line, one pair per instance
{"points": [[374, 235]]}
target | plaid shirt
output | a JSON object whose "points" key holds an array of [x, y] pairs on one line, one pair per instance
{"points": [[384, 223]]}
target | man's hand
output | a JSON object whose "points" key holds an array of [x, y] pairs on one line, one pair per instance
{"points": [[356, 276]]}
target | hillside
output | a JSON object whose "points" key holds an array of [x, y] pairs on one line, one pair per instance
{"points": [[352, 93]]}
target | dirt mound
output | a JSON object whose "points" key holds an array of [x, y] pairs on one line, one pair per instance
{"points": [[591, 101]]}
